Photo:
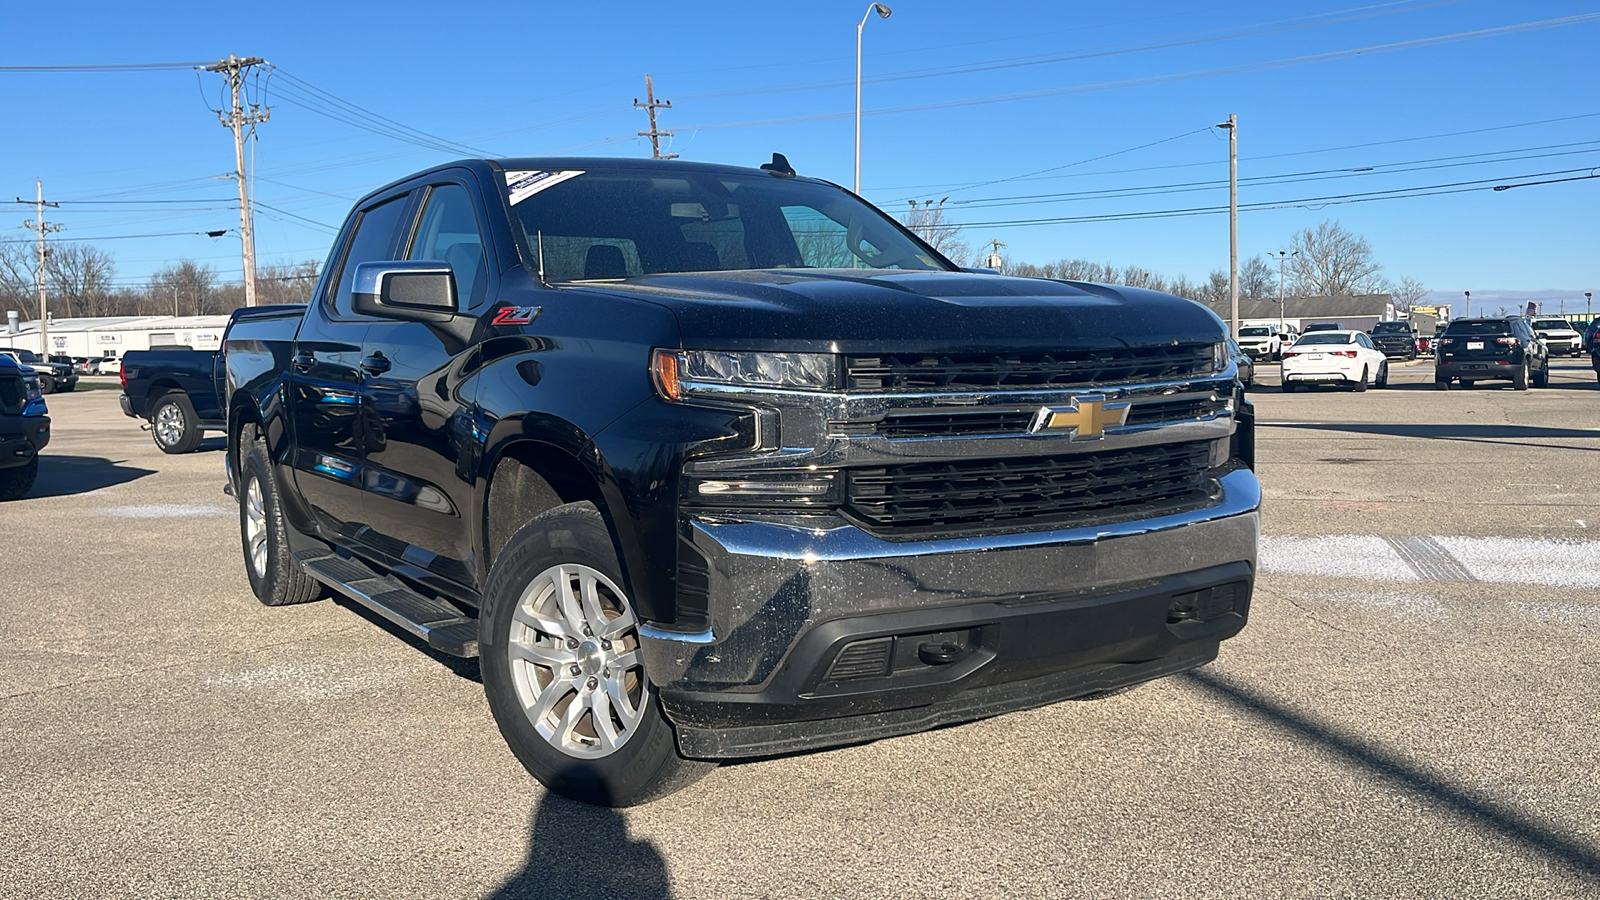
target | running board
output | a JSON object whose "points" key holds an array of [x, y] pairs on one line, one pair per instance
{"points": [[440, 624]]}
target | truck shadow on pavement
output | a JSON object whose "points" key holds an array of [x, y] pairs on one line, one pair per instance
{"points": [[63, 476], [1510, 435], [577, 851], [462, 668], [1479, 809]]}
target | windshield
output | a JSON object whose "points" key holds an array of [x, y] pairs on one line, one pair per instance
{"points": [[1552, 324], [1254, 332], [1326, 337], [618, 223], [1391, 328]]}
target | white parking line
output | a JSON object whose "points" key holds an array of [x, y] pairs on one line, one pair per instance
{"points": [[1493, 560]]}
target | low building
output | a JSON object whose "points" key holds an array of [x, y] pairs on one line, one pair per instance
{"points": [[116, 335], [1357, 313]]}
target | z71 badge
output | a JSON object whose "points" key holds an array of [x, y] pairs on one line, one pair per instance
{"points": [[516, 315]]}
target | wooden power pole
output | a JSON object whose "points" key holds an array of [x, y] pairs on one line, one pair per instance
{"points": [[39, 225], [654, 134], [233, 68]]}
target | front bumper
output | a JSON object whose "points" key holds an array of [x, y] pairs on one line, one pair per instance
{"points": [[823, 634], [22, 440]]}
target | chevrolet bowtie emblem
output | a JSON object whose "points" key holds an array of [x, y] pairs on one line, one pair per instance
{"points": [[1087, 418]]}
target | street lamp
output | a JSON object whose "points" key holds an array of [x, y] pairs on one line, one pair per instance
{"points": [[883, 13], [1469, 305], [1283, 257], [1588, 304]]}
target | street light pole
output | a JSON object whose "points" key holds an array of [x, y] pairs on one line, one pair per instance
{"points": [[1283, 257], [1469, 305], [883, 13], [1232, 125]]}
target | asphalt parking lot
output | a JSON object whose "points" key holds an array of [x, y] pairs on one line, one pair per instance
{"points": [[1411, 713]]}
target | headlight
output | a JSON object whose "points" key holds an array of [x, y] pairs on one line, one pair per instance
{"points": [[33, 390], [677, 372]]}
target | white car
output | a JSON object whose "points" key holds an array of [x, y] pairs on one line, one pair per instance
{"points": [[1341, 358], [1262, 341], [111, 365], [1559, 336]]}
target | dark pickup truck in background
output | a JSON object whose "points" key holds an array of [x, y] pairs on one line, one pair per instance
{"points": [[711, 463], [24, 428], [1397, 340], [178, 390], [53, 376]]}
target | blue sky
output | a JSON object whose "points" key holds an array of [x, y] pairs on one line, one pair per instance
{"points": [[991, 105]]}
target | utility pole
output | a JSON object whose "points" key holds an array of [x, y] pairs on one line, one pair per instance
{"points": [[233, 68], [1233, 222], [39, 226], [654, 134]]}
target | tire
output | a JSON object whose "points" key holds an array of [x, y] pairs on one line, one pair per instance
{"points": [[173, 425], [1541, 378], [1361, 383], [1519, 379], [546, 652], [1383, 376], [16, 482], [1441, 384], [47, 383], [1290, 387], [275, 578]]}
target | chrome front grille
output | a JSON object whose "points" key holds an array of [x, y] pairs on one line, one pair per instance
{"points": [[981, 421]]}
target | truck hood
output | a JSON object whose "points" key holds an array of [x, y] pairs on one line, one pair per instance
{"points": [[846, 310]]}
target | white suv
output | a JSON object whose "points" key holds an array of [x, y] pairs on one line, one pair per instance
{"points": [[1559, 336], [1263, 341]]}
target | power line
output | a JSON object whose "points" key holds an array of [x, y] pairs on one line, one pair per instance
{"points": [[105, 67], [1151, 80], [125, 237], [307, 95]]}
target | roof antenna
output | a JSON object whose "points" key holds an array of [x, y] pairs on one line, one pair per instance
{"points": [[779, 166]]}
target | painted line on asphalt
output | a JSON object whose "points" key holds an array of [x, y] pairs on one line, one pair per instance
{"points": [[1429, 559], [1530, 561]]}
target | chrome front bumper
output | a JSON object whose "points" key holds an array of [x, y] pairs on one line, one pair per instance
{"points": [[774, 579]]}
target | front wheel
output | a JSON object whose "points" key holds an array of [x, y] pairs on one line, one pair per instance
{"points": [[16, 482], [174, 426], [563, 669], [275, 578], [47, 384]]}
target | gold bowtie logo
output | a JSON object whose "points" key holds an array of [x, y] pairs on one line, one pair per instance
{"points": [[1087, 418]]}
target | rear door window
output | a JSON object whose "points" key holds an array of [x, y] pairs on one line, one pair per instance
{"points": [[374, 241]]}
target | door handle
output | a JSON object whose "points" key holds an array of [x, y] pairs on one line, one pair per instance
{"points": [[376, 364], [304, 361]]}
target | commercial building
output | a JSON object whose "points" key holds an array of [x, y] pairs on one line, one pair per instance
{"points": [[115, 335]]}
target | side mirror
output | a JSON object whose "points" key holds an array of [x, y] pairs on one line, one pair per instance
{"points": [[418, 290]]}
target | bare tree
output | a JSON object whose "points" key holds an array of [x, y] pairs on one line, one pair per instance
{"points": [[79, 280], [1408, 293], [1333, 261], [18, 288], [928, 222], [1257, 280], [286, 282], [184, 289]]}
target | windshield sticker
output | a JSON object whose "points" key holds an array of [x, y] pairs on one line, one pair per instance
{"points": [[523, 185]]}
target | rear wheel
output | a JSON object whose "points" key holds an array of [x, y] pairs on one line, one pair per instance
{"points": [[1519, 378], [1441, 384], [1361, 383], [1541, 378], [15, 482], [173, 424], [563, 669], [1383, 376], [1290, 387]]}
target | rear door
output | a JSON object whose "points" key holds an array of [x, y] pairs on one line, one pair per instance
{"points": [[418, 486], [331, 436]]}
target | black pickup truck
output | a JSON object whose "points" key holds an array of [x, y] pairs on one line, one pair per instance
{"points": [[711, 463], [178, 390], [24, 428]]}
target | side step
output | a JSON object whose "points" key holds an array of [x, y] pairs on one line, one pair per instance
{"points": [[440, 624]]}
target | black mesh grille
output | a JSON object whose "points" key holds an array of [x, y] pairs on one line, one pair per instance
{"points": [[980, 371], [1077, 487], [13, 395]]}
